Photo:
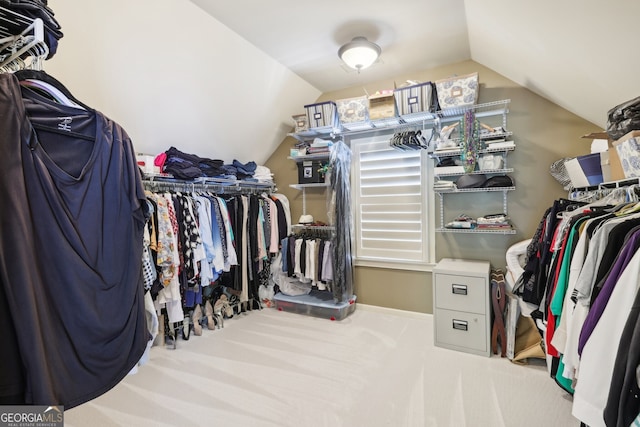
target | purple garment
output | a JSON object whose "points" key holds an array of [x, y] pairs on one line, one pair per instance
{"points": [[598, 306]]}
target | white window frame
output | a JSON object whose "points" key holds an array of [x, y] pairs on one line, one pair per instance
{"points": [[362, 257]]}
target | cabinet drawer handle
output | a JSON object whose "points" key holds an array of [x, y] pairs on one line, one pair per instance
{"points": [[461, 325], [459, 289]]}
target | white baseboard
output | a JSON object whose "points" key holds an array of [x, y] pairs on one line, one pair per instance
{"points": [[405, 313]]}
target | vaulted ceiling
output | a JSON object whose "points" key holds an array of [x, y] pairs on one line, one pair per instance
{"points": [[578, 54]]}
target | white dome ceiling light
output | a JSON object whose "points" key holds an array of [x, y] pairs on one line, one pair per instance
{"points": [[359, 53]]}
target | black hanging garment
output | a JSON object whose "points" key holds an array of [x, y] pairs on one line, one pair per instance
{"points": [[71, 226]]}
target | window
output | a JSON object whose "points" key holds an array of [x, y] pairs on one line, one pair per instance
{"points": [[391, 202]]}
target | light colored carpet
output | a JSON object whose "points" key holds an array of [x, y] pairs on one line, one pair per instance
{"points": [[375, 368]]}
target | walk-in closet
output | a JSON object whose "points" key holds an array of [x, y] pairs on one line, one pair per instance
{"points": [[342, 214]]}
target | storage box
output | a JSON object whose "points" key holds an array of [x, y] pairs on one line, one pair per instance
{"points": [[601, 139], [322, 115], [491, 161], [589, 170], [415, 99], [353, 110], [308, 172], [146, 163], [317, 304], [458, 91], [382, 105], [615, 166], [628, 150], [301, 122]]}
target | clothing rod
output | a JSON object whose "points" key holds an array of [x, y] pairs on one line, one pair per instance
{"points": [[224, 187], [611, 184], [13, 22]]}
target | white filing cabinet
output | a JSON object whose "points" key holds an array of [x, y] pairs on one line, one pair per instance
{"points": [[462, 310]]}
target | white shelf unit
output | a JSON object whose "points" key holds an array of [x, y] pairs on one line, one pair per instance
{"points": [[492, 109], [428, 120], [304, 187]]}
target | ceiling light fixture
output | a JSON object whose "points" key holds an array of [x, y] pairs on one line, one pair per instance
{"points": [[359, 53]]}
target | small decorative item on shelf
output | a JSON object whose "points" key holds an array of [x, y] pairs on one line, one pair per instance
{"points": [[470, 141], [325, 173], [462, 221]]}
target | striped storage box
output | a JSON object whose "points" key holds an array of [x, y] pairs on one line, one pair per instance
{"points": [[418, 98], [322, 115]]}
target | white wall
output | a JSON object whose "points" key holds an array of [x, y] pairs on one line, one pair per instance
{"points": [[172, 75], [579, 54]]}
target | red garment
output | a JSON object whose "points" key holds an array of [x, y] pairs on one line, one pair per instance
{"points": [[160, 160], [551, 318]]}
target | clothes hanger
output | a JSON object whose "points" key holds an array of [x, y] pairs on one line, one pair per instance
{"points": [[26, 74], [53, 91], [24, 43], [44, 91]]}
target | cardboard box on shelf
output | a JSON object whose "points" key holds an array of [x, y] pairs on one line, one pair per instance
{"points": [[611, 161], [382, 105], [615, 167]]}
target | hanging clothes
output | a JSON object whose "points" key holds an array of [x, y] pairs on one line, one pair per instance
{"points": [[599, 354], [342, 259], [590, 302], [204, 239], [71, 236]]}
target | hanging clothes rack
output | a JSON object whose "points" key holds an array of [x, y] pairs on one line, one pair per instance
{"points": [[318, 229], [219, 187], [626, 190], [216, 185], [411, 136], [22, 45]]}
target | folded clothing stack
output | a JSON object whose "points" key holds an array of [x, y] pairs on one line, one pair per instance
{"points": [[444, 185], [494, 222], [263, 174], [462, 222], [487, 222]]}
